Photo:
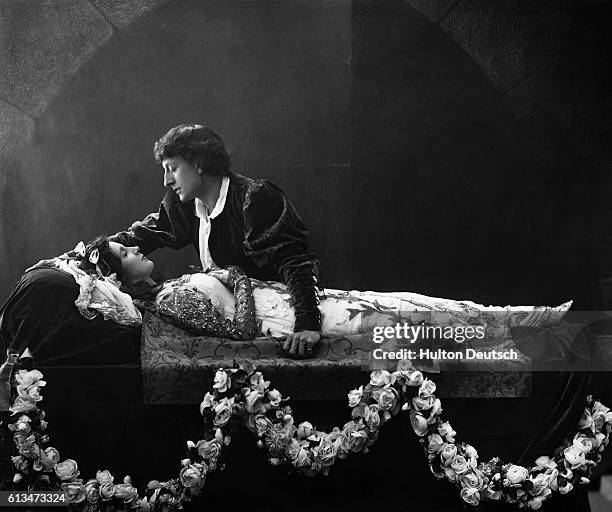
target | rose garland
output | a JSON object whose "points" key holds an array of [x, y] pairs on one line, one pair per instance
{"points": [[242, 392], [310, 451], [39, 468]]}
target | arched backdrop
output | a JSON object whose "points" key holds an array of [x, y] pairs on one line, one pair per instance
{"points": [[456, 148]]}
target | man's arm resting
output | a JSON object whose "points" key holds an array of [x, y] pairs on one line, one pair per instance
{"points": [[275, 235], [170, 227]]}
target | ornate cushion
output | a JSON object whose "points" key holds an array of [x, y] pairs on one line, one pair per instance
{"points": [[178, 367]]}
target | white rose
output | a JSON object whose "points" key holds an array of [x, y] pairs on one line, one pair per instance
{"points": [[192, 477], [258, 383], [552, 478], [28, 378], [356, 436], [459, 464], [342, 445], [598, 439], [540, 484], [49, 457], [207, 402], [435, 443], [223, 412], [32, 392], [470, 451], [473, 478], [107, 491], [414, 378], [22, 405], [302, 459], [470, 495], [357, 441], [598, 406], [448, 453], [75, 491], [222, 381], [275, 397], [599, 419], [354, 396], [545, 462], [258, 424], [22, 425], [254, 404], [427, 388], [304, 430], [67, 470], [436, 408], [208, 449], [419, 423], [447, 432], [325, 453], [422, 403], [381, 378], [584, 444], [371, 417], [386, 398], [104, 477], [574, 456], [516, 474]]}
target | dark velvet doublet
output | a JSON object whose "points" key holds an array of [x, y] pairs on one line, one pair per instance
{"points": [[258, 230]]}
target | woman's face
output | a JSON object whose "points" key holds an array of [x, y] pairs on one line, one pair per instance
{"points": [[182, 177], [136, 268]]}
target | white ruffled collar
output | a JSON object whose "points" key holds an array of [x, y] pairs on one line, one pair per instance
{"points": [[99, 295]]}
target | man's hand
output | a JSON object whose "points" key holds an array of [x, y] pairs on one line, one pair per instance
{"points": [[301, 344]]}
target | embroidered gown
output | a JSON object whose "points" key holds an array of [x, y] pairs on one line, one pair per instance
{"points": [[199, 303]]}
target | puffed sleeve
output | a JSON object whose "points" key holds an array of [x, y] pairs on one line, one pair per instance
{"points": [[171, 226], [275, 235]]}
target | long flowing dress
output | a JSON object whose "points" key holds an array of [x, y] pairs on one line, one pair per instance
{"points": [[201, 304]]}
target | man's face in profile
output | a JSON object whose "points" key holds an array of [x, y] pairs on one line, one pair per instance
{"points": [[182, 176]]}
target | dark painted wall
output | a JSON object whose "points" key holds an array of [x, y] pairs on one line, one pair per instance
{"points": [[438, 163], [407, 163], [272, 77]]}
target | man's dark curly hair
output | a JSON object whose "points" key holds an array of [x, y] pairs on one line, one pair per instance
{"points": [[197, 144]]}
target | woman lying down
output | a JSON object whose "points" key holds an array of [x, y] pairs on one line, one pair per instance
{"points": [[227, 304]]}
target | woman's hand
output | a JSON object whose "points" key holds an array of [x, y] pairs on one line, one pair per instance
{"points": [[301, 344]]}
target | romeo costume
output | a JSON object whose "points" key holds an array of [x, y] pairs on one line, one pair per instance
{"points": [[258, 230]]}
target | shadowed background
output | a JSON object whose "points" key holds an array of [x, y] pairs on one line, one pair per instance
{"points": [[452, 148], [455, 147]]}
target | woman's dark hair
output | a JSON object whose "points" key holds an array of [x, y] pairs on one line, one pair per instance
{"points": [[197, 144], [109, 263]]}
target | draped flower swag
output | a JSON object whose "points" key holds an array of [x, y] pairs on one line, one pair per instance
{"points": [[243, 393]]}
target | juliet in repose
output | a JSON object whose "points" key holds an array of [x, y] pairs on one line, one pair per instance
{"points": [[227, 304]]}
